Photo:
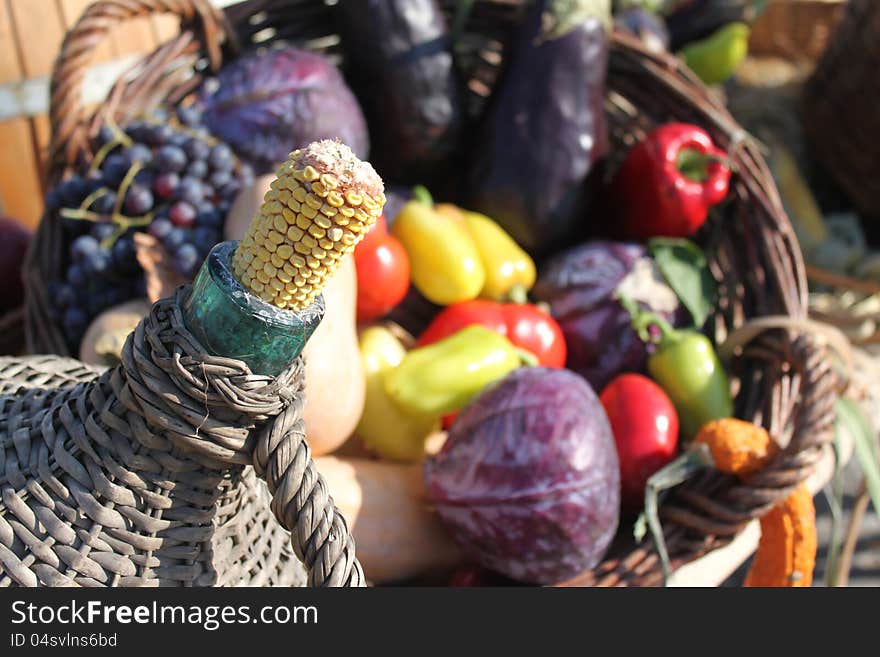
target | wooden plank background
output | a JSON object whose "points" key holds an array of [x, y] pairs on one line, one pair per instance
{"points": [[26, 56]]}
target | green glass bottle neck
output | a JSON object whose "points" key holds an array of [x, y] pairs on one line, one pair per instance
{"points": [[232, 322]]}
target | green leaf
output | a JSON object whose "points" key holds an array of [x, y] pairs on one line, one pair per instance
{"points": [[683, 265], [852, 420], [834, 496]]}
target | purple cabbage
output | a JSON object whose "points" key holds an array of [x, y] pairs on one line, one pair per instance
{"points": [[580, 286], [269, 103], [528, 481]]}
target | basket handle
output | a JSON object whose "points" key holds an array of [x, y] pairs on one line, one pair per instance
{"points": [[67, 115]]}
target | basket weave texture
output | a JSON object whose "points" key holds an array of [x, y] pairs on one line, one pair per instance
{"points": [[782, 378], [146, 474], [841, 120]]}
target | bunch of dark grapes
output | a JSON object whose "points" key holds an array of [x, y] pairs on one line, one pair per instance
{"points": [[164, 175]]}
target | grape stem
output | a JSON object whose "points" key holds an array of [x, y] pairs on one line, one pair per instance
{"points": [[119, 139]]}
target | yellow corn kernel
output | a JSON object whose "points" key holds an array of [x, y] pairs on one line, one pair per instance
{"points": [[319, 207]]}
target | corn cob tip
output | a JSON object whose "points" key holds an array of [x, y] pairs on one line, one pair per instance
{"points": [[331, 156], [321, 204]]}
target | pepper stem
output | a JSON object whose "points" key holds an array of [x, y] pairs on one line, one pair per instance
{"points": [[672, 474], [422, 195], [642, 320], [527, 357], [694, 164], [518, 294]]}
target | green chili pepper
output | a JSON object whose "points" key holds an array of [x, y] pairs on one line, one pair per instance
{"points": [[445, 376], [686, 366]]}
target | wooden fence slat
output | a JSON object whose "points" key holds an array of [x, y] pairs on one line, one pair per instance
{"points": [[71, 10], [39, 31], [165, 27], [10, 64], [19, 173], [133, 37], [20, 195], [42, 132]]}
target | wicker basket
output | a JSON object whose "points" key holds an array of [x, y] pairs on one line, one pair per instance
{"points": [[12, 341], [795, 29], [840, 106], [783, 378]]}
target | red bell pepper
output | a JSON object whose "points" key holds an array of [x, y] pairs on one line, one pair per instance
{"points": [[382, 272], [525, 325], [668, 182]]}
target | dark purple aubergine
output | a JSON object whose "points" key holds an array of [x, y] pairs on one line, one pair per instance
{"points": [[581, 286], [691, 20], [645, 25], [528, 481], [398, 60], [545, 128]]}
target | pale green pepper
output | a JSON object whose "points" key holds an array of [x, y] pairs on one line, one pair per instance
{"points": [[445, 376]]}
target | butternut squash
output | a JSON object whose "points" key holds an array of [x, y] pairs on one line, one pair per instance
{"points": [[105, 336], [245, 208], [335, 381], [397, 535]]}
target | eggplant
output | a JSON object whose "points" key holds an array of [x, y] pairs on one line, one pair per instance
{"points": [[545, 129], [692, 20], [398, 60], [646, 25]]}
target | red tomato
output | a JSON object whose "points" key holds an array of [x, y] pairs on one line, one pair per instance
{"points": [[467, 576], [374, 236], [534, 330], [524, 324], [645, 427], [382, 272]]}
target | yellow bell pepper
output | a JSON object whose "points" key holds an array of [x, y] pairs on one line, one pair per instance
{"points": [[510, 272], [386, 428], [445, 264]]}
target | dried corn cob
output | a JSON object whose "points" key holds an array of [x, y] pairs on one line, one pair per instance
{"points": [[321, 204]]}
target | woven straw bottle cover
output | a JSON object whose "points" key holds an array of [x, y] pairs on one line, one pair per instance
{"points": [[123, 479]]}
